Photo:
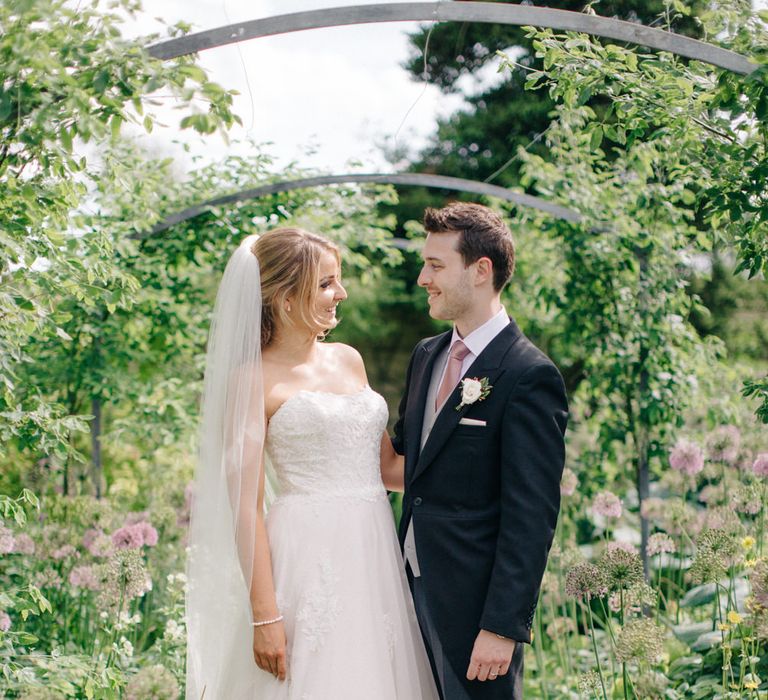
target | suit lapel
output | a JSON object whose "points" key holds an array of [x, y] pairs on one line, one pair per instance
{"points": [[486, 365], [414, 420]]}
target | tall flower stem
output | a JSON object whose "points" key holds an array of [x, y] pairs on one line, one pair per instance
{"points": [[624, 675], [594, 648]]}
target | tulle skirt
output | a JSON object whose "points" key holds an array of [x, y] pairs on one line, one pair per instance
{"points": [[349, 618]]}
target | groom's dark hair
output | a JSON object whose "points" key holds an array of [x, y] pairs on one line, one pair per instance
{"points": [[482, 234]]}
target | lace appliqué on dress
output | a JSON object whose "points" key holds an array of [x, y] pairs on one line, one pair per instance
{"points": [[320, 606], [389, 634]]}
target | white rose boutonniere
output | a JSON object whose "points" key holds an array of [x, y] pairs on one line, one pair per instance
{"points": [[473, 390]]}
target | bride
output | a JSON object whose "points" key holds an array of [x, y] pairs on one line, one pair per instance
{"points": [[309, 602]]}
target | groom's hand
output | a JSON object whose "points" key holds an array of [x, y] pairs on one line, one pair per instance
{"points": [[491, 656]]}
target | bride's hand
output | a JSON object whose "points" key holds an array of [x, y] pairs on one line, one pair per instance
{"points": [[269, 649]]}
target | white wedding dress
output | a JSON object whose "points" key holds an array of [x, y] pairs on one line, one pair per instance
{"points": [[338, 574]]}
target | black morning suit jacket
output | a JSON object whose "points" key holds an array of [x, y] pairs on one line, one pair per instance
{"points": [[484, 500]]}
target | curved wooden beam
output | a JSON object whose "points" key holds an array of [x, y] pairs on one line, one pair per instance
{"points": [[416, 179], [485, 12]]}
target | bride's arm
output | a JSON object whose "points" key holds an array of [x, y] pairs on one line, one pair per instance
{"points": [[248, 425], [269, 641], [392, 466]]}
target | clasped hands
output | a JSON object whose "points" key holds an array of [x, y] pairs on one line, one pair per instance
{"points": [[491, 657]]}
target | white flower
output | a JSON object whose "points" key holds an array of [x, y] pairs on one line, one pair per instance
{"points": [[471, 390]]}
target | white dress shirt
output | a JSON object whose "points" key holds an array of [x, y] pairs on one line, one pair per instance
{"points": [[477, 340]]}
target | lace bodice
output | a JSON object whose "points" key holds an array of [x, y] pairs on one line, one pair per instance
{"points": [[328, 445]]}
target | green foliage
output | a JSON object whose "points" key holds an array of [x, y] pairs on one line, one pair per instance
{"points": [[69, 79]]}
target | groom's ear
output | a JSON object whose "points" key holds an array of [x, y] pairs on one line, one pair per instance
{"points": [[483, 271]]}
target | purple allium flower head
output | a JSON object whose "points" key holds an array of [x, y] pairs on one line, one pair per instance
{"points": [[5, 621], [98, 543], [760, 465], [7, 542], [660, 543], [127, 537], [148, 533], [568, 483], [63, 552], [723, 443], [85, 577], [24, 544], [625, 546], [687, 457], [607, 504]]}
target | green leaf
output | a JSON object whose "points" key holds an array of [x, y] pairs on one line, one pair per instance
{"points": [[596, 138]]}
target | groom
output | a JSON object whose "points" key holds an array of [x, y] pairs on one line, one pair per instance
{"points": [[483, 461]]}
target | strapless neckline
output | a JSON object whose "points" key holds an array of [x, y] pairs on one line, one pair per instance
{"points": [[318, 392]]}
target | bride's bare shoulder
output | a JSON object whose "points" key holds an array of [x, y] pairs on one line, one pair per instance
{"points": [[346, 357]]}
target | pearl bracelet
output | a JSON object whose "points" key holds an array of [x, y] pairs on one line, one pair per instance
{"points": [[267, 622]]}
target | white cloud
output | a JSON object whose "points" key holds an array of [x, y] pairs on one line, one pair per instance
{"points": [[339, 90]]}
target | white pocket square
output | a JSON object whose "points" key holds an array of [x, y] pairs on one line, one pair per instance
{"points": [[472, 421]]}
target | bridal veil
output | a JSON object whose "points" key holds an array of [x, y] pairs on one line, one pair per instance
{"points": [[220, 564]]}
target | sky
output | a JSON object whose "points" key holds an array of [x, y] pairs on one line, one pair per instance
{"points": [[328, 99]]}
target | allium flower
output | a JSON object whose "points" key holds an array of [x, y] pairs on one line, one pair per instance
{"points": [[716, 551], [651, 685], [584, 581], [63, 552], [653, 509], [5, 621], [721, 518], [568, 483], [560, 627], [85, 577], [687, 457], [128, 537], [607, 504], [660, 543], [637, 597], [747, 499], [7, 542], [589, 684], [758, 580], [24, 544], [621, 569], [47, 578], [148, 533], [760, 465], [712, 494], [626, 546], [152, 683], [124, 576], [723, 443], [640, 640], [98, 543]]}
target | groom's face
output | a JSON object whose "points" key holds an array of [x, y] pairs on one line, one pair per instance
{"points": [[446, 279]]}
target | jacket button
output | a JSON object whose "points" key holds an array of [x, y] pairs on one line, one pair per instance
{"points": [[417, 501]]}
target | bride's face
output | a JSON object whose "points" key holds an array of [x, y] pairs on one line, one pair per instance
{"points": [[330, 291]]}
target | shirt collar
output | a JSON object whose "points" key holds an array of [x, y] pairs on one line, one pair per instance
{"points": [[479, 338]]}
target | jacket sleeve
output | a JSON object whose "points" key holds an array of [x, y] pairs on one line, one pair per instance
{"points": [[532, 460], [398, 441]]}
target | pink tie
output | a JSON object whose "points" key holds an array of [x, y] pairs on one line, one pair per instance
{"points": [[452, 372]]}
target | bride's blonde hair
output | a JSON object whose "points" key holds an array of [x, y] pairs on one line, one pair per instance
{"points": [[289, 262]]}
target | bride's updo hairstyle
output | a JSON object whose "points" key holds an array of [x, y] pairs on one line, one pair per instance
{"points": [[289, 263]]}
